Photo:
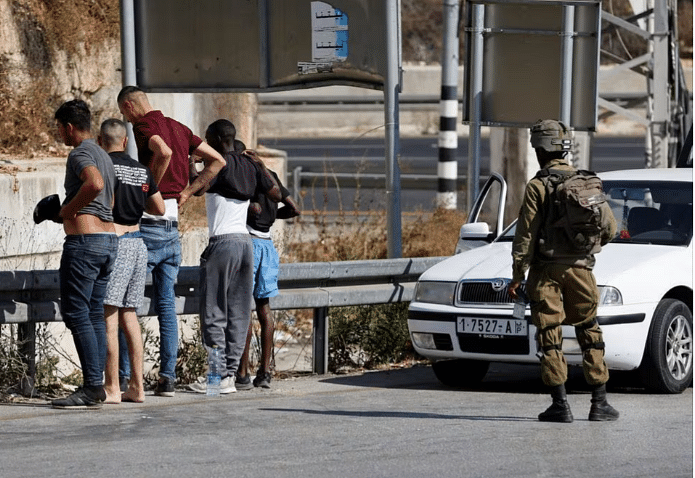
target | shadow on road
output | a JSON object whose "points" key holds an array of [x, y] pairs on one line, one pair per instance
{"points": [[501, 378], [394, 414]]}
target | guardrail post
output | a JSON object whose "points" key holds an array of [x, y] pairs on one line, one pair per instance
{"points": [[319, 340], [26, 336], [297, 184]]}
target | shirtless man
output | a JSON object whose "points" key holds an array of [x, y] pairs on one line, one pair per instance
{"points": [[135, 192], [89, 251]]}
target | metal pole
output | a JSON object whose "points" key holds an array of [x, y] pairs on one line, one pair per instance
{"points": [[264, 53], [297, 185], [660, 91], [26, 335], [391, 89], [566, 64], [128, 62], [476, 102], [319, 342], [567, 44], [447, 167]]}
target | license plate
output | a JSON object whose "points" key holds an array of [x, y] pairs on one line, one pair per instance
{"points": [[491, 327]]}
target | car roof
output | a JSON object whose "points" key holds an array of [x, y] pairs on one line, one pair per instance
{"points": [[653, 174]]}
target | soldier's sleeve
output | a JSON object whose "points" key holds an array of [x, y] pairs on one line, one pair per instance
{"points": [[608, 233], [527, 227]]}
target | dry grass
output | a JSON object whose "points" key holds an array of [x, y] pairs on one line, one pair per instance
{"points": [[26, 120], [46, 27], [424, 234]]}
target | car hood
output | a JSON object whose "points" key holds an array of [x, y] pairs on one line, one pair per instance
{"points": [[492, 260], [653, 264], [615, 264]]}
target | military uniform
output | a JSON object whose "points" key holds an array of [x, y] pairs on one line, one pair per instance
{"points": [[562, 290]]}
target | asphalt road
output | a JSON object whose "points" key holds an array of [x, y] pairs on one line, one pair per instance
{"points": [[399, 423], [364, 156]]}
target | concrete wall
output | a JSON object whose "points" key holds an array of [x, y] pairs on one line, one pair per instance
{"points": [[28, 246]]}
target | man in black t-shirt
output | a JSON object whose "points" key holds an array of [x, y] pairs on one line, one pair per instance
{"points": [[266, 266], [226, 264], [135, 192]]}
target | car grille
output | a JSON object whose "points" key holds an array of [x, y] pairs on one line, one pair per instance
{"points": [[482, 345], [482, 292]]}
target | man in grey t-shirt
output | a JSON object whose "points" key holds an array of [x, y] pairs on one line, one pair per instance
{"points": [[89, 153], [89, 251]]}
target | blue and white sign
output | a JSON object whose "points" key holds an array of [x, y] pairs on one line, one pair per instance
{"points": [[329, 33]]}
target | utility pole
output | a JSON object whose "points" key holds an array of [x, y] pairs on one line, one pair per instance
{"points": [[447, 166]]}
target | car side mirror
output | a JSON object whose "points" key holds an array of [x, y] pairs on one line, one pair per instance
{"points": [[474, 230], [472, 235]]}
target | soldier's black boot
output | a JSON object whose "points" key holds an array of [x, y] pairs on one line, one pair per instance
{"points": [[600, 410], [559, 410]]}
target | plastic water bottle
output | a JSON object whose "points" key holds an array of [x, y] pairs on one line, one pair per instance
{"points": [[214, 372], [520, 304]]}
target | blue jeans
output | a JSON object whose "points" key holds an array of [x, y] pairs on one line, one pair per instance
{"points": [[163, 260], [85, 267]]}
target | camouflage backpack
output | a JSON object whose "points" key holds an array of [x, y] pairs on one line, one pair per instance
{"points": [[577, 221]]}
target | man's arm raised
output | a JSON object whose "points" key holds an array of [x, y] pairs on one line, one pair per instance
{"points": [[214, 162]]}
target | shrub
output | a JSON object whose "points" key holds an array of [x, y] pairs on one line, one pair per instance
{"points": [[368, 336]]}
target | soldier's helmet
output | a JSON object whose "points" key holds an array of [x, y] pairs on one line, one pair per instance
{"points": [[551, 135]]}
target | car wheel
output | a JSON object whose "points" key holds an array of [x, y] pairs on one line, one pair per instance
{"points": [[667, 365], [460, 372]]}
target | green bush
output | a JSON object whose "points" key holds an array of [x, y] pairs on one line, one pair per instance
{"points": [[192, 360], [368, 336]]}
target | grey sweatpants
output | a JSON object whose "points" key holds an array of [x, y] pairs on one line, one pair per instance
{"points": [[226, 286]]}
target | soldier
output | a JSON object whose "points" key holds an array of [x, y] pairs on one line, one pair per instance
{"points": [[561, 286]]}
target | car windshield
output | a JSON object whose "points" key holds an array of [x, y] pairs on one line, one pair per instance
{"points": [[647, 212]]}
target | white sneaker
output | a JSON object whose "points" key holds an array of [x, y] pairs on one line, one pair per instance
{"points": [[227, 385], [198, 386]]}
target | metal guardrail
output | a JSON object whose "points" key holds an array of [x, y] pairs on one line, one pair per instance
{"points": [[284, 101], [300, 179], [364, 180], [30, 297]]}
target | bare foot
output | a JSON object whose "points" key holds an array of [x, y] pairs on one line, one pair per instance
{"points": [[111, 396], [132, 395]]}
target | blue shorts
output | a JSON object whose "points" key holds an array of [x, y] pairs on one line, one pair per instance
{"points": [[266, 265]]}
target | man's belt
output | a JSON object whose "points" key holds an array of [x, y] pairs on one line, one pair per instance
{"points": [[159, 222]]}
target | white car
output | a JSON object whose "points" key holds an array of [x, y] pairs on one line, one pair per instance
{"points": [[461, 314]]}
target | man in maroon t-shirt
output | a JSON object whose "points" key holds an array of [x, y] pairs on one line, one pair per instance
{"points": [[164, 145]]}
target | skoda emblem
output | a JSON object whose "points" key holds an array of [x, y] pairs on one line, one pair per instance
{"points": [[499, 285]]}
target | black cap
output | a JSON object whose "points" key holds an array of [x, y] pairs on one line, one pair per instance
{"points": [[47, 208]]}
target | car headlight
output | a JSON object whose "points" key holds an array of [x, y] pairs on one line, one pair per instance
{"points": [[609, 296], [424, 341], [435, 292]]}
